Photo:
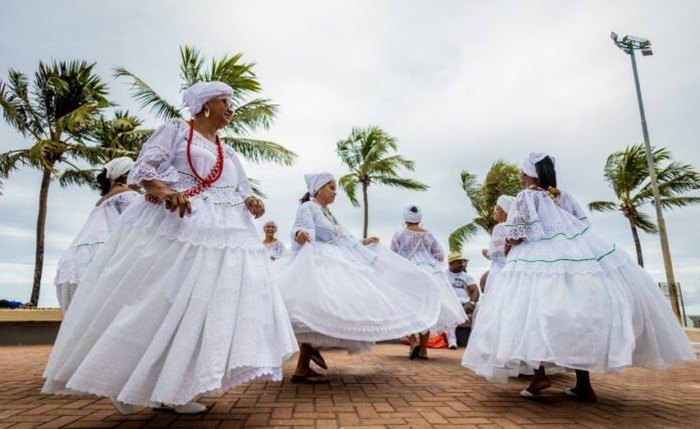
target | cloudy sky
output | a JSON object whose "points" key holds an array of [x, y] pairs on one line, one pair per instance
{"points": [[460, 84]]}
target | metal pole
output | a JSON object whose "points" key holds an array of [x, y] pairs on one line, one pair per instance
{"points": [[665, 249]]}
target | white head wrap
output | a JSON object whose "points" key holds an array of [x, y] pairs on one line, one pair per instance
{"points": [[196, 95], [504, 202], [270, 222], [117, 167], [314, 182], [533, 158], [410, 216]]}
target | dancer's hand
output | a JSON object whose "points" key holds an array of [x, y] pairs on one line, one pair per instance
{"points": [[176, 201], [370, 240], [255, 206], [302, 237]]}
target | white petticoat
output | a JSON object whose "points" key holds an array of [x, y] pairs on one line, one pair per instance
{"points": [[573, 300], [159, 319], [451, 311], [342, 292]]}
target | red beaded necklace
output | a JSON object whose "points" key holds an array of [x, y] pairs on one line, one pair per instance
{"points": [[215, 172]]}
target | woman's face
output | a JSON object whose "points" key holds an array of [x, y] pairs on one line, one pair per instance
{"points": [[526, 180], [499, 215], [220, 110], [270, 229], [326, 195]]}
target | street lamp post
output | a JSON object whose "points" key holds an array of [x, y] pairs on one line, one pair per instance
{"points": [[629, 44]]}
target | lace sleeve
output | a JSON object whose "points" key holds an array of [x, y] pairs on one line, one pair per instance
{"points": [[523, 221], [436, 249], [305, 221], [395, 242], [156, 157], [243, 183], [569, 203], [124, 200], [497, 245]]}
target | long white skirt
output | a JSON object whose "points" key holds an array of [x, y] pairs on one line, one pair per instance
{"points": [[577, 303], [181, 321], [451, 311], [345, 295]]}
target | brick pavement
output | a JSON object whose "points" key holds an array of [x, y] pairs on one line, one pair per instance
{"points": [[380, 389]]}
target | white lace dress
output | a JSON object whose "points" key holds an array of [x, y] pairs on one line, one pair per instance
{"points": [[340, 293], [567, 297], [175, 307], [75, 260], [425, 251], [275, 250]]}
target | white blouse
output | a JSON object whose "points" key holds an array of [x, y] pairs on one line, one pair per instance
{"points": [[419, 247], [219, 217]]}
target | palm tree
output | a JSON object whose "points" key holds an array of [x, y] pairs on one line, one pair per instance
{"points": [[65, 98], [627, 173], [120, 135], [501, 179], [251, 114], [366, 152]]}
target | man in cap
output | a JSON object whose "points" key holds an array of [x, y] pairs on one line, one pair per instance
{"points": [[465, 287]]}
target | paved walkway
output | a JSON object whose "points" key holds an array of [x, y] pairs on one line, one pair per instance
{"points": [[380, 389]]}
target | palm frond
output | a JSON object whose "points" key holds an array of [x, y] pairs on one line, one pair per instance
{"points": [[644, 222], [400, 182], [602, 206], [348, 183], [72, 177], [461, 235], [673, 202], [261, 150], [191, 64], [257, 113], [147, 97]]}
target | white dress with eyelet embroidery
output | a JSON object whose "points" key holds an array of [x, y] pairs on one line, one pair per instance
{"points": [[100, 223], [172, 307], [341, 293], [567, 297]]}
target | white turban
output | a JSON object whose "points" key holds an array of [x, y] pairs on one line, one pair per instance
{"points": [[117, 167], [196, 95], [533, 158], [411, 216], [314, 182], [504, 202]]}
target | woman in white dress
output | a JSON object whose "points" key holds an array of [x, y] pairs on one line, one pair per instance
{"points": [[180, 302], [496, 251], [344, 292], [568, 298], [275, 248], [116, 197], [420, 246]]}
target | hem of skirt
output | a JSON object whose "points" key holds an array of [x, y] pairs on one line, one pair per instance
{"points": [[617, 369], [259, 374]]}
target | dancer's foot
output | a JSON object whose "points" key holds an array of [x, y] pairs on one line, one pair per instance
{"points": [[317, 358], [537, 385], [452, 347], [122, 408], [310, 376], [188, 408], [583, 395], [414, 353]]}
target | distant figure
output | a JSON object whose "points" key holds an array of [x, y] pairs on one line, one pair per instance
{"points": [[496, 252], [420, 246], [466, 289], [116, 197], [275, 248]]}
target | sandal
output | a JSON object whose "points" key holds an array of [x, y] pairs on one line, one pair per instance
{"points": [[318, 359], [413, 355], [311, 377]]}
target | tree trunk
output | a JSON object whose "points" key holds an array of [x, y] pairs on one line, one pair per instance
{"points": [[40, 229], [364, 200], [637, 244]]}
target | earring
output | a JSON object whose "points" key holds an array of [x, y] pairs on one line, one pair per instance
{"points": [[206, 113]]}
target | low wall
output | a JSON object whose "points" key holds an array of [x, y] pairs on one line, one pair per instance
{"points": [[25, 326]]}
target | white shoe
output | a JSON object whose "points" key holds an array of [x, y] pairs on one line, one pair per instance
{"points": [[123, 408], [189, 408], [452, 347]]}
